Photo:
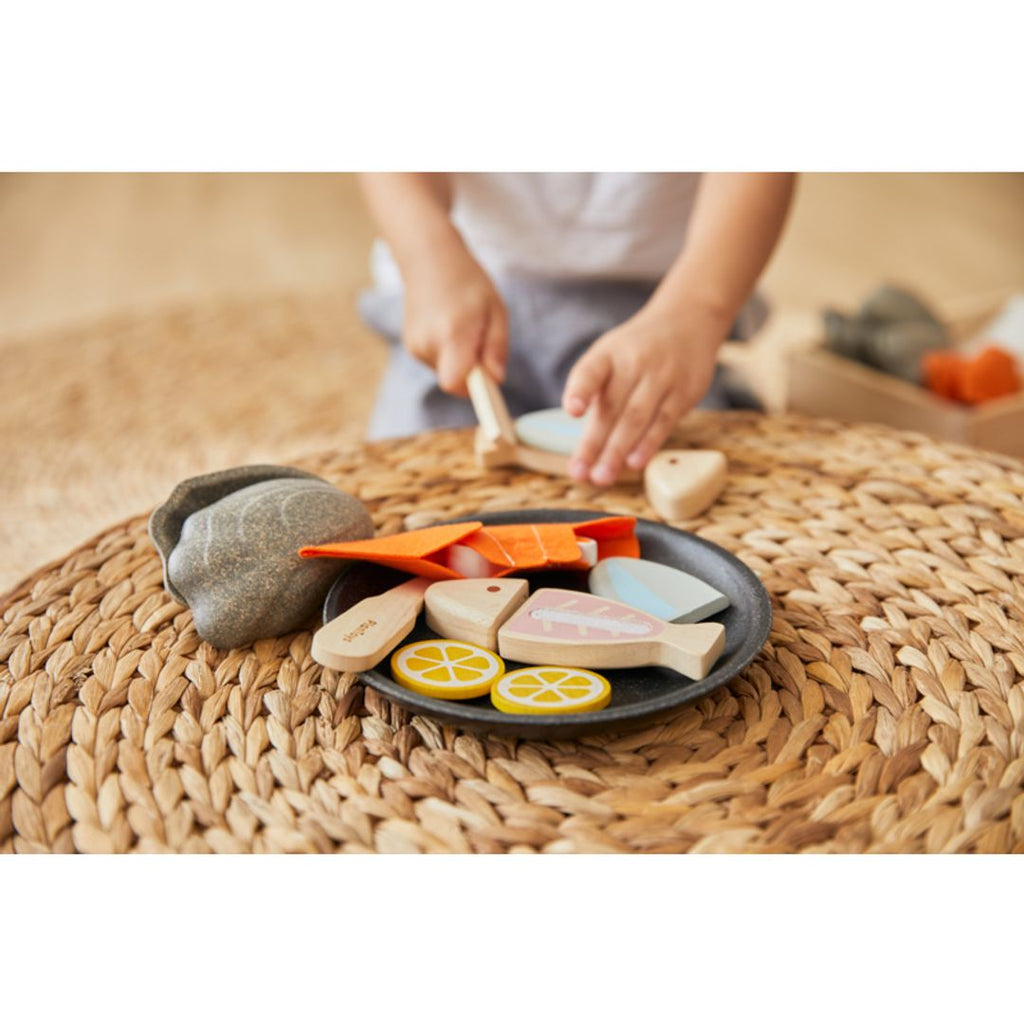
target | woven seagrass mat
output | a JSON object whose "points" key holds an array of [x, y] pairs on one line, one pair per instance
{"points": [[885, 713]]}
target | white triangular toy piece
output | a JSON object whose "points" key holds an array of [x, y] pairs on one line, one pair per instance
{"points": [[661, 590], [682, 483], [473, 610]]}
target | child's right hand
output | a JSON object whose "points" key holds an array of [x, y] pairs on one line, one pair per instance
{"points": [[455, 319]]}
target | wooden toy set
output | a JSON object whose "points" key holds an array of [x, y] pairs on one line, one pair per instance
{"points": [[634, 612], [473, 582], [958, 379], [563, 597]]}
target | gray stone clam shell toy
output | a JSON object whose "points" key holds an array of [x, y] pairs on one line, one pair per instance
{"points": [[229, 544], [891, 332]]}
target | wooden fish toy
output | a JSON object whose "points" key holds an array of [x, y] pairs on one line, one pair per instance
{"points": [[566, 627]]}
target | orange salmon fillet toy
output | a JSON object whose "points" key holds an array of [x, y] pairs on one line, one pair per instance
{"points": [[509, 548]]}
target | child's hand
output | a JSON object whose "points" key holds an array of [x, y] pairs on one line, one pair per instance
{"points": [[454, 319], [637, 380]]}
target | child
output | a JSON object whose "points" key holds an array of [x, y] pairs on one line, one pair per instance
{"points": [[602, 293]]}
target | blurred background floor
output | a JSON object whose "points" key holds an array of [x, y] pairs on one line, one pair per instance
{"points": [[154, 327]]}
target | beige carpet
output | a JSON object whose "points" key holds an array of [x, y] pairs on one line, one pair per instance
{"points": [[100, 421]]}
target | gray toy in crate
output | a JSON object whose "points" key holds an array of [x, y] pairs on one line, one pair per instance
{"points": [[891, 332]]}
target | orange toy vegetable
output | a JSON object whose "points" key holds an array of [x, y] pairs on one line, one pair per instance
{"points": [[991, 373], [940, 370]]}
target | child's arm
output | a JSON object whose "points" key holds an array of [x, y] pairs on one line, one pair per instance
{"points": [[643, 375], [454, 317]]}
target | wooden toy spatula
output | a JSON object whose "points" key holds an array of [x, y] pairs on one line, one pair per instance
{"points": [[565, 627], [365, 634]]}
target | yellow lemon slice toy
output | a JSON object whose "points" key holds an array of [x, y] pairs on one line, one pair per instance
{"points": [[548, 690], [449, 669]]}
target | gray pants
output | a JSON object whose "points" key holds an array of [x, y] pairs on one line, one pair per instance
{"points": [[550, 325]]}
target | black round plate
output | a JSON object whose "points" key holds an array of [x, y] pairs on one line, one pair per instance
{"points": [[638, 694]]}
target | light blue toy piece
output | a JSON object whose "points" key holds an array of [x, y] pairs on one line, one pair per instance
{"points": [[660, 590], [551, 430]]}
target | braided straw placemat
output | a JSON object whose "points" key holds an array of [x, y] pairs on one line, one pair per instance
{"points": [[885, 713]]}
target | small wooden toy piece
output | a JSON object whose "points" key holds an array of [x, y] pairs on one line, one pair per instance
{"points": [[493, 456], [550, 430], [449, 669], [496, 444], [473, 610], [550, 690], [661, 590], [565, 627], [363, 636], [680, 484]]}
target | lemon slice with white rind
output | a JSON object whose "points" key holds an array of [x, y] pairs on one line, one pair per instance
{"points": [[550, 690], [449, 669]]}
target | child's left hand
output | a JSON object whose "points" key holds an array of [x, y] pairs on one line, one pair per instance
{"points": [[637, 380]]}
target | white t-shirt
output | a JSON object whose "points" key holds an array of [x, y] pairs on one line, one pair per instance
{"points": [[567, 226]]}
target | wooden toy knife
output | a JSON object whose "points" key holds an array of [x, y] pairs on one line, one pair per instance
{"points": [[365, 634], [496, 442]]}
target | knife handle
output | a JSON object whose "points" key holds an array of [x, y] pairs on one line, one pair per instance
{"points": [[365, 634]]}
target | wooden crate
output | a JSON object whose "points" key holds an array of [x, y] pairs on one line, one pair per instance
{"points": [[821, 383]]}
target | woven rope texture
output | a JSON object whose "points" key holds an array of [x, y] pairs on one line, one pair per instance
{"points": [[885, 713]]}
